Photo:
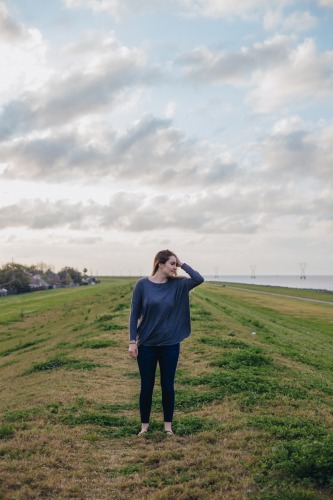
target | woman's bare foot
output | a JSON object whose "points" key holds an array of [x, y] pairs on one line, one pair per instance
{"points": [[168, 428], [144, 429]]}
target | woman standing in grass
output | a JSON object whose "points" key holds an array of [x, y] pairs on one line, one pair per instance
{"points": [[159, 321]]}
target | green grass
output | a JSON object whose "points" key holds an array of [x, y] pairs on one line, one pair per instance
{"points": [[20, 347], [6, 431], [97, 344], [303, 460], [62, 362], [294, 292], [254, 407]]}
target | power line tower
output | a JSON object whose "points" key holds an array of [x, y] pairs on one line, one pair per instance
{"points": [[302, 266], [216, 272], [253, 271]]}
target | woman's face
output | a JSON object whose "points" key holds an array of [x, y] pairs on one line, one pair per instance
{"points": [[170, 267]]}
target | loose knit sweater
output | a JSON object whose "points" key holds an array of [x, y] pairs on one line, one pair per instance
{"points": [[160, 312]]}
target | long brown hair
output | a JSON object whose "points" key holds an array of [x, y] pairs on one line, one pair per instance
{"points": [[161, 258]]}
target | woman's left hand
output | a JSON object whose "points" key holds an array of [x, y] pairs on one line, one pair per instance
{"points": [[178, 262], [133, 351]]}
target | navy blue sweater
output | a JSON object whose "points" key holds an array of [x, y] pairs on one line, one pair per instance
{"points": [[160, 312]]}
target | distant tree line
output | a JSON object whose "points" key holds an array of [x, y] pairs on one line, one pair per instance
{"points": [[18, 278]]}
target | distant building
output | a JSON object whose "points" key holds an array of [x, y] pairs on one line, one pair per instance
{"points": [[37, 282], [88, 280], [53, 279]]}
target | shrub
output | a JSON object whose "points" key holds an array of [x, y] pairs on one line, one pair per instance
{"points": [[58, 362], [20, 347], [6, 431], [288, 427], [106, 327], [223, 342], [97, 344], [250, 357], [192, 425], [104, 317], [304, 459]]}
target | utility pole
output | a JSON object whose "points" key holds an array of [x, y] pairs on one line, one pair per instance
{"points": [[302, 266]]}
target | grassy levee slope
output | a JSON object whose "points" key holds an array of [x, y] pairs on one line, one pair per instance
{"points": [[254, 399]]}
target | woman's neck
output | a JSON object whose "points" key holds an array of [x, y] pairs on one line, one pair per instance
{"points": [[158, 278]]}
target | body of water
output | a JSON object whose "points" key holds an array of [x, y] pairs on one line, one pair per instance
{"points": [[309, 282]]}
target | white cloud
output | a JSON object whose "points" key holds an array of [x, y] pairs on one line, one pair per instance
{"points": [[295, 158], [326, 3], [296, 155], [199, 8], [287, 125], [204, 65], [22, 56], [243, 211], [214, 9], [170, 109], [277, 72], [151, 150], [272, 18], [10, 30], [133, 213], [97, 5], [38, 214], [104, 75], [119, 8], [225, 8], [90, 240], [305, 73], [297, 22]]}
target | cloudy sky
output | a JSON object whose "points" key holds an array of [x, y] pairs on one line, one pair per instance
{"points": [[203, 126]]}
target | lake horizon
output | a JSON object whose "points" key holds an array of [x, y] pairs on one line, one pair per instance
{"points": [[308, 282]]}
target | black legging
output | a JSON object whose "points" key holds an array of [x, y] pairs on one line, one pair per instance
{"points": [[167, 357]]}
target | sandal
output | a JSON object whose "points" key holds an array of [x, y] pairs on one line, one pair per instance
{"points": [[169, 433]]}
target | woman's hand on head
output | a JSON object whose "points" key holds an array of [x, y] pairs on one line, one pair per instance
{"points": [[178, 262], [133, 351]]}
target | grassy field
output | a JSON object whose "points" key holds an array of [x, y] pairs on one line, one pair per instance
{"points": [[254, 399]]}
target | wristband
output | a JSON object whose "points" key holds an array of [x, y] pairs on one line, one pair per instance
{"points": [[132, 341]]}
